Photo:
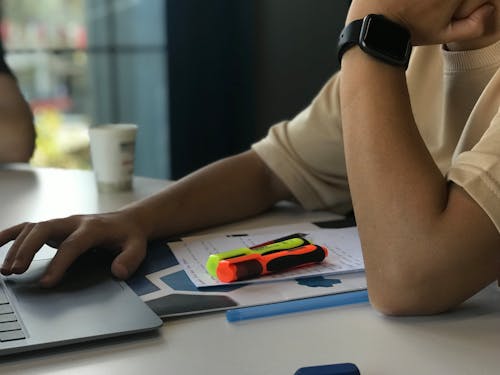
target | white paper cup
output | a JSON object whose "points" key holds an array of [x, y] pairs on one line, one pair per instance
{"points": [[112, 150]]}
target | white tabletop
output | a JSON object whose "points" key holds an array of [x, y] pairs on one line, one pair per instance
{"points": [[462, 342]]}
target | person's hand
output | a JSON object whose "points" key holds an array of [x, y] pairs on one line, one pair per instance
{"points": [[117, 232], [433, 21]]}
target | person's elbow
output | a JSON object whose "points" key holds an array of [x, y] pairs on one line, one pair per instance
{"points": [[24, 150], [408, 288], [399, 302], [18, 144], [17, 129]]}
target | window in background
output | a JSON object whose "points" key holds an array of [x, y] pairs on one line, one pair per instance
{"points": [[45, 42], [84, 62]]}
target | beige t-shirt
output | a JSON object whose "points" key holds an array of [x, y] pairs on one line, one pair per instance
{"points": [[456, 102]]}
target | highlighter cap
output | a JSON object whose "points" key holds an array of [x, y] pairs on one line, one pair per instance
{"points": [[228, 272], [214, 259]]}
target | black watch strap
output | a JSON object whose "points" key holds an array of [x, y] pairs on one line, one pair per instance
{"points": [[349, 37], [378, 37]]}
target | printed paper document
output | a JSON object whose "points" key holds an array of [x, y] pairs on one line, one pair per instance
{"points": [[344, 252]]}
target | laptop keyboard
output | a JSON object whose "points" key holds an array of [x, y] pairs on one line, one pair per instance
{"points": [[10, 328]]}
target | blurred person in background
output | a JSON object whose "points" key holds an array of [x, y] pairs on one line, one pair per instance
{"points": [[17, 131]]}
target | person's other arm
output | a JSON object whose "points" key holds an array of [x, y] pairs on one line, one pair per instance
{"points": [[225, 191], [427, 245]]}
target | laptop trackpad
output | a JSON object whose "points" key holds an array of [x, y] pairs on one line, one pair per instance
{"points": [[87, 304], [88, 270]]}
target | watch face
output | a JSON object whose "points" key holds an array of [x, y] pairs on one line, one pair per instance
{"points": [[385, 39]]}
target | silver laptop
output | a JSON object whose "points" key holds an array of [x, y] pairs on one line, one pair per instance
{"points": [[88, 305]]}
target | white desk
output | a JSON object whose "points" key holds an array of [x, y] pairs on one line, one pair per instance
{"points": [[464, 342]]}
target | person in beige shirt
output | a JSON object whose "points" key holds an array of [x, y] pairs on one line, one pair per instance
{"points": [[415, 153]]}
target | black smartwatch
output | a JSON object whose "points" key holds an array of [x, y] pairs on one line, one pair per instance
{"points": [[379, 37]]}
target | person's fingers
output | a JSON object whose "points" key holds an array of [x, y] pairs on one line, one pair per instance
{"points": [[18, 234], [11, 233], [472, 26], [69, 250], [32, 238], [129, 259], [73, 236]]}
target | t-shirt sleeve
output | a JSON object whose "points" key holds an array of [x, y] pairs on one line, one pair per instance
{"points": [[478, 171], [307, 153]]}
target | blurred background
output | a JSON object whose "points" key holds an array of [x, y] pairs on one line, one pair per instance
{"points": [[203, 79]]}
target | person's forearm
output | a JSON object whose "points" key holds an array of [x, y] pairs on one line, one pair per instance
{"points": [[390, 169], [391, 173], [227, 190], [417, 254], [427, 244]]}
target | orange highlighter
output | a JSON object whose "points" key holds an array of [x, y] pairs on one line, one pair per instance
{"points": [[253, 265]]}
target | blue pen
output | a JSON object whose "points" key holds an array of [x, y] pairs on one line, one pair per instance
{"points": [[312, 303]]}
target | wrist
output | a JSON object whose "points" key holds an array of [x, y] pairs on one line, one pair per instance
{"points": [[139, 214], [379, 38], [358, 11]]}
